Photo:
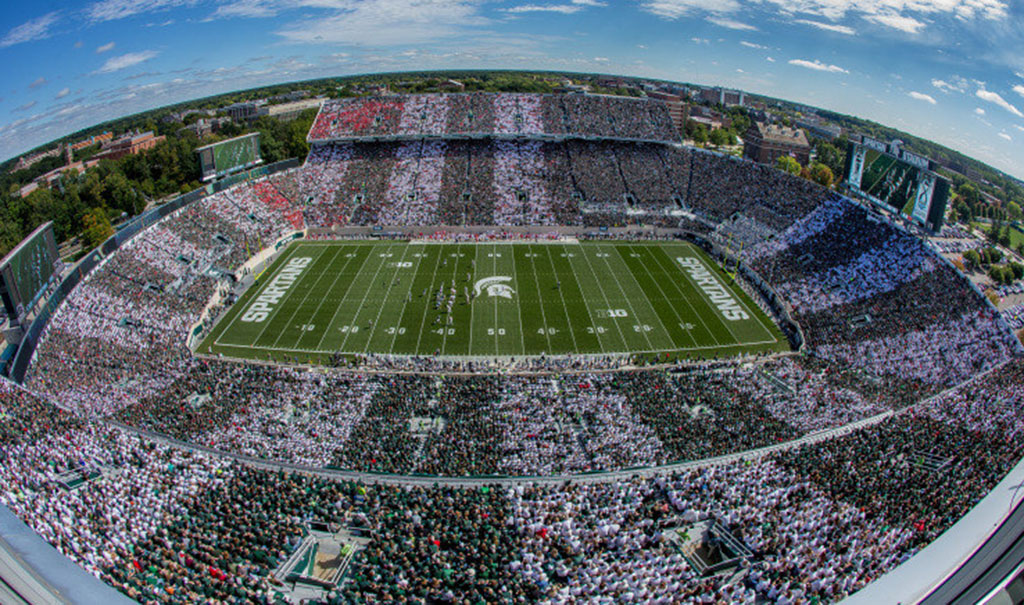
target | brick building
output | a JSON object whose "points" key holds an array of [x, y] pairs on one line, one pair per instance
{"points": [[129, 145], [677, 110], [765, 143]]}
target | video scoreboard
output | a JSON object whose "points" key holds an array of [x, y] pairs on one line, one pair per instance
{"points": [[27, 270], [223, 158], [901, 181]]}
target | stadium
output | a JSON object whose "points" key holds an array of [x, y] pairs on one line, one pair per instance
{"points": [[512, 347]]}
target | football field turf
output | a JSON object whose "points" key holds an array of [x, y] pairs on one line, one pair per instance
{"points": [[322, 298]]}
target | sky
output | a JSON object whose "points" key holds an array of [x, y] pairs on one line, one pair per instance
{"points": [[947, 70]]}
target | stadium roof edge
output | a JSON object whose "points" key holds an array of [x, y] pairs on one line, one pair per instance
{"points": [[35, 572], [958, 553]]}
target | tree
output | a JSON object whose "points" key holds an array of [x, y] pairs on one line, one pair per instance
{"points": [[829, 155], [1017, 269], [821, 174], [719, 137], [788, 164], [973, 258], [700, 134], [969, 193], [1013, 209], [96, 228]]}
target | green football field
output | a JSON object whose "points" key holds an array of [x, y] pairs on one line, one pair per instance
{"points": [[505, 299]]}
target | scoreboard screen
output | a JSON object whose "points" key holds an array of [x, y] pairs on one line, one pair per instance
{"points": [[26, 271], [232, 155], [898, 180]]}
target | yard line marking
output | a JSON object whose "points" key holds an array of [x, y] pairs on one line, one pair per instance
{"points": [[565, 309], [355, 318], [494, 271], [472, 305], [665, 295], [405, 302], [334, 316], [281, 304], [387, 295], [519, 314], [454, 276], [540, 299], [302, 304], [426, 310], [239, 309], [629, 299], [608, 304]]}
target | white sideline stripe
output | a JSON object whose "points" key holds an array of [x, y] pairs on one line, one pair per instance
{"points": [[538, 355]]}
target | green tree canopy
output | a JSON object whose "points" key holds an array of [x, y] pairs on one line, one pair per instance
{"points": [[788, 164]]}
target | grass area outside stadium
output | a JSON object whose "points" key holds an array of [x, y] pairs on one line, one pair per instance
{"points": [[666, 300]]}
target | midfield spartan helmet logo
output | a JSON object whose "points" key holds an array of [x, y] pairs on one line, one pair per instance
{"points": [[495, 286]]}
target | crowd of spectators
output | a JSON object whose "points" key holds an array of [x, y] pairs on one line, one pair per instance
{"points": [[521, 114], [166, 524], [551, 423]]}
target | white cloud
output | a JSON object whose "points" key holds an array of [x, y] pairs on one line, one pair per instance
{"points": [[1005, 136], [110, 10], [40, 81], [36, 29], [818, 66], [109, 46], [700, 40], [731, 24], [1019, 127], [979, 111], [769, 59], [63, 93], [834, 10], [908, 16], [832, 27], [957, 84], [994, 97], [125, 61], [903, 23], [1019, 89], [388, 22], [601, 59], [752, 45], [674, 9], [25, 107], [574, 6], [920, 96], [245, 8]]}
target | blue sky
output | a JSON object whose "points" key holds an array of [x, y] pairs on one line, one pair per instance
{"points": [[948, 70]]}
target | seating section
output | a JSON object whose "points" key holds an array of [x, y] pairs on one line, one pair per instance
{"points": [[482, 114], [821, 521]]}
